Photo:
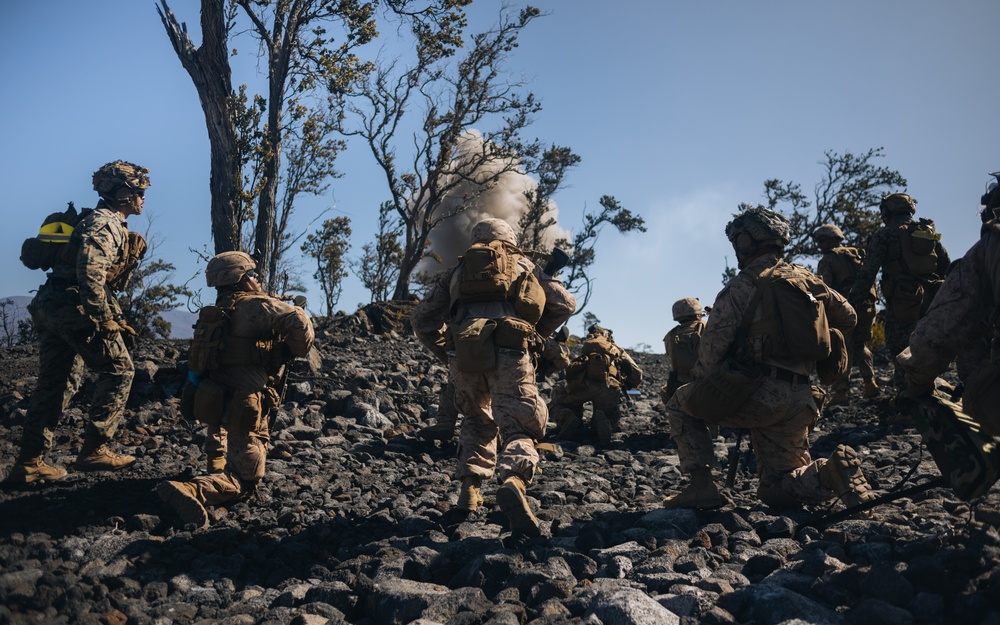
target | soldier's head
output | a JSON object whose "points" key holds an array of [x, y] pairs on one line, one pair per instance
{"points": [[122, 185], [493, 230], [596, 330], [232, 271], [991, 199], [828, 236], [896, 204], [687, 309], [756, 231]]}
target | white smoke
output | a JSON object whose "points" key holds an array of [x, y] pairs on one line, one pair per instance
{"points": [[471, 204]]}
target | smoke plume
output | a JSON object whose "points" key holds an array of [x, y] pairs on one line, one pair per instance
{"points": [[471, 204]]}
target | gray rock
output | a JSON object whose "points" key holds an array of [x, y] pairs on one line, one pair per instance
{"points": [[630, 607]]}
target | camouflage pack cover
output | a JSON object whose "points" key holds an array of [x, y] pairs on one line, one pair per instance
{"points": [[115, 174], [763, 225]]}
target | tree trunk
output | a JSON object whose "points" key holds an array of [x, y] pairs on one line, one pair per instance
{"points": [[209, 69]]}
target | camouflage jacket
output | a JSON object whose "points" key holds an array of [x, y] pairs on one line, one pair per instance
{"points": [[101, 240], [962, 315], [432, 315], [836, 269], [687, 327], [883, 248], [260, 317], [731, 305]]}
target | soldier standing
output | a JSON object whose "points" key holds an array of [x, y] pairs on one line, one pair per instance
{"points": [[681, 344], [839, 267], [237, 387], [77, 316], [781, 410], [484, 317], [599, 375], [912, 260]]}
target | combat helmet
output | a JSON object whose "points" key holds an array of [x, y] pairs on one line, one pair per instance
{"points": [[897, 204], [991, 199], [828, 231], [228, 268], [494, 229], [757, 227], [116, 174], [686, 308]]}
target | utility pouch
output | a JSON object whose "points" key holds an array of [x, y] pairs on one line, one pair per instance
{"points": [[474, 348], [528, 296], [209, 401], [514, 333], [981, 399], [721, 393], [835, 366], [907, 299]]}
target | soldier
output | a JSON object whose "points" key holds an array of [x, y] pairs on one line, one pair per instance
{"points": [[781, 410], [599, 375], [681, 344], [237, 387], [484, 316], [839, 267], [77, 316], [962, 319], [912, 260]]}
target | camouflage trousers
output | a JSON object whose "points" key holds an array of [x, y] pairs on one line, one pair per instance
{"points": [[502, 406], [897, 338], [67, 340], [568, 401], [447, 412], [858, 356], [246, 455], [778, 415]]}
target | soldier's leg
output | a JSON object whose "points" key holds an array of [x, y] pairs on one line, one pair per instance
{"points": [[696, 454], [897, 338], [521, 416], [477, 438], [215, 448], [566, 411], [447, 416], [607, 414]]}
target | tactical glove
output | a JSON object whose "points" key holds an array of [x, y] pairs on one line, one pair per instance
{"points": [[117, 326]]}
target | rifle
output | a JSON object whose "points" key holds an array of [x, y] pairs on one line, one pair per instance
{"points": [[557, 260], [734, 461], [280, 386]]}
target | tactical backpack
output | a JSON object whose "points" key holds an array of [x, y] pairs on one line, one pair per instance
{"points": [[847, 261], [684, 348], [914, 281], [52, 244], [209, 340], [604, 363], [792, 323], [488, 272]]}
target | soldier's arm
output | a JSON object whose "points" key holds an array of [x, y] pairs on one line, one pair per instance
{"points": [[944, 262], [824, 269], [874, 257], [430, 316], [294, 326], [98, 251], [559, 304], [723, 323], [839, 313]]}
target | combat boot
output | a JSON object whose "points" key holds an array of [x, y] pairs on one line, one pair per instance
{"points": [[442, 431], [183, 498], [95, 456], [701, 493], [842, 474], [469, 498], [839, 398], [871, 389], [512, 501], [602, 427], [569, 428], [33, 469]]}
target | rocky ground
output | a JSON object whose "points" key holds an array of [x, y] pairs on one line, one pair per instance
{"points": [[350, 524]]}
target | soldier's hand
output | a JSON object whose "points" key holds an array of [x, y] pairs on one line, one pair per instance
{"points": [[111, 325]]}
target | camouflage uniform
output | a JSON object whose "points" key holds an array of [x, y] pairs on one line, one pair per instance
{"points": [[959, 321], [66, 313], [503, 401], [779, 414], [830, 269], [250, 397], [885, 249], [605, 397], [679, 376]]}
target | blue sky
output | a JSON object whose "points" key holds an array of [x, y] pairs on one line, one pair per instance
{"points": [[679, 109]]}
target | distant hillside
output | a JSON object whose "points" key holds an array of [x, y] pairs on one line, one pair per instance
{"points": [[180, 320]]}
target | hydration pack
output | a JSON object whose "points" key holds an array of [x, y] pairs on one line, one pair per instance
{"points": [[52, 244], [918, 244]]}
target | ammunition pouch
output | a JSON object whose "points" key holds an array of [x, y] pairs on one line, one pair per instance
{"points": [[119, 273], [514, 333], [722, 391], [475, 350]]}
